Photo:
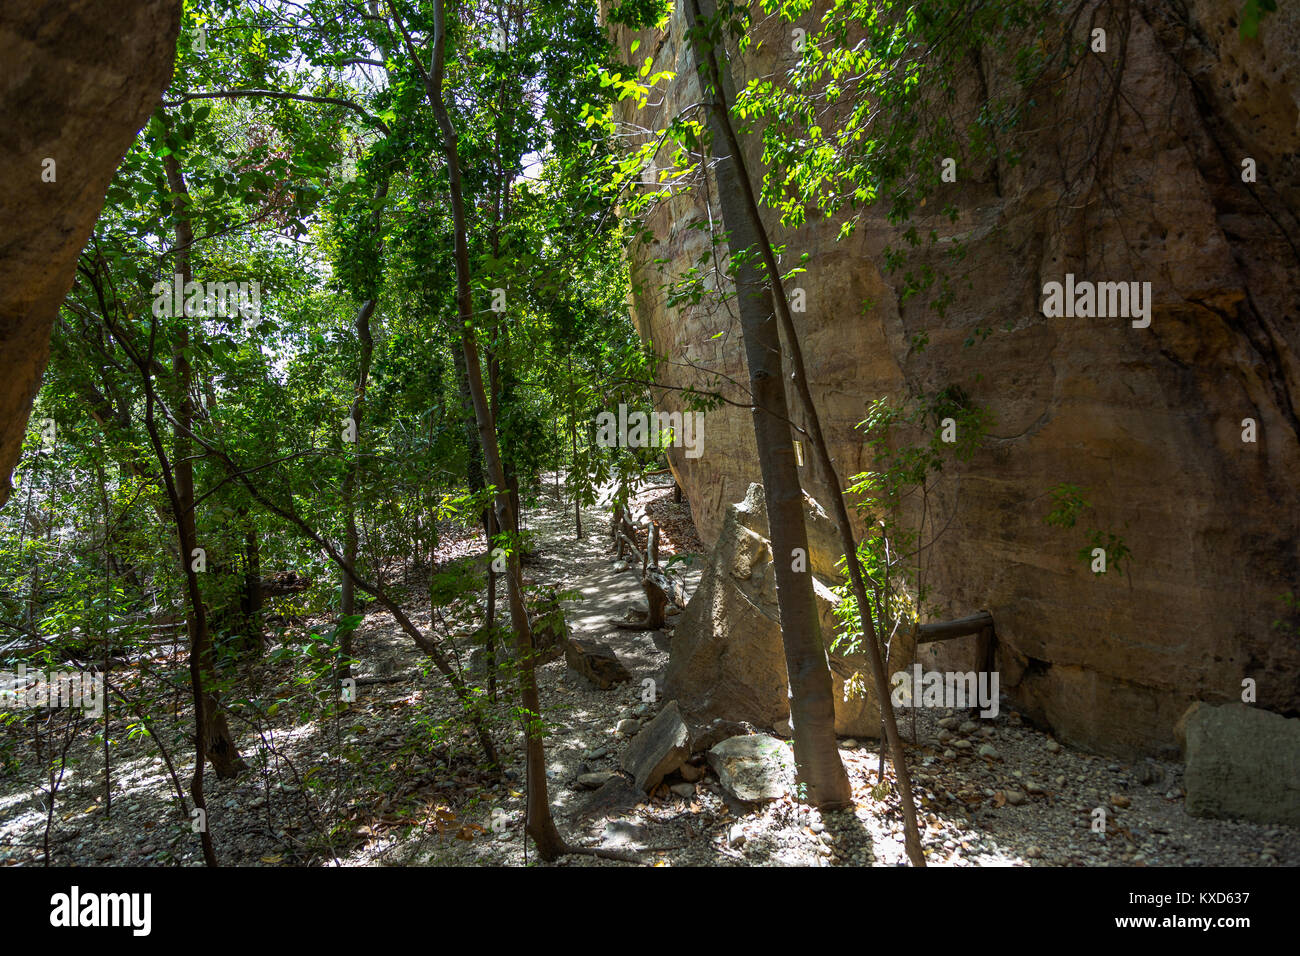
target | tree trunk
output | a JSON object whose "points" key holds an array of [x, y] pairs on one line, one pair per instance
{"points": [[214, 735], [251, 597], [539, 823], [812, 703], [347, 589], [573, 441], [749, 206]]}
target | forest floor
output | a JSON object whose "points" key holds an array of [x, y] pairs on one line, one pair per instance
{"points": [[385, 784]]}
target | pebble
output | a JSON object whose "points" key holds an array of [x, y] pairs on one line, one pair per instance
{"points": [[628, 727], [849, 744], [962, 744], [988, 750], [1121, 801], [1034, 852], [1015, 798], [683, 790], [968, 727], [1053, 747], [948, 723], [736, 835]]}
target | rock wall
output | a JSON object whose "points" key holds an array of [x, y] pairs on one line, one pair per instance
{"points": [[1148, 420], [80, 77]]}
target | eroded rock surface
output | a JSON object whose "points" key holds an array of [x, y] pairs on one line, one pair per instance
{"points": [[1149, 421], [80, 78]]}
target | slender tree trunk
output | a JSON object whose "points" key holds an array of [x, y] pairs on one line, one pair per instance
{"points": [[573, 440], [474, 477], [347, 590], [108, 618], [812, 703], [490, 625], [720, 81], [216, 740], [253, 599], [539, 823], [185, 543]]}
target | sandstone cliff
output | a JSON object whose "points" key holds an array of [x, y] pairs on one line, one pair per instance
{"points": [[1149, 420], [80, 77]]}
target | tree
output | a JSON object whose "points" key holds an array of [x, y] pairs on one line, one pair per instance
{"points": [[812, 703]]}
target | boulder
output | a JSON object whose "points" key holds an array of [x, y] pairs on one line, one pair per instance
{"points": [[1243, 763], [727, 660], [658, 750], [753, 768], [80, 78], [596, 662]]}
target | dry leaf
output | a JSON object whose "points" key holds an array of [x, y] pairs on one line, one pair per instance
{"points": [[468, 830]]}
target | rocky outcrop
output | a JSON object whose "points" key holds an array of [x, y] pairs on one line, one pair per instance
{"points": [[727, 661], [1148, 420], [80, 78], [1243, 763]]}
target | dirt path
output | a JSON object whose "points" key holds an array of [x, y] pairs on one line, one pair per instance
{"points": [[396, 779]]}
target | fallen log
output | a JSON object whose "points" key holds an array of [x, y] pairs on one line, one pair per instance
{"points": [[980, 625], [950, 630], [661, 587]]}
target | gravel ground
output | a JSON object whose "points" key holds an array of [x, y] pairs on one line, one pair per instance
{"points": [[991, 792]]}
